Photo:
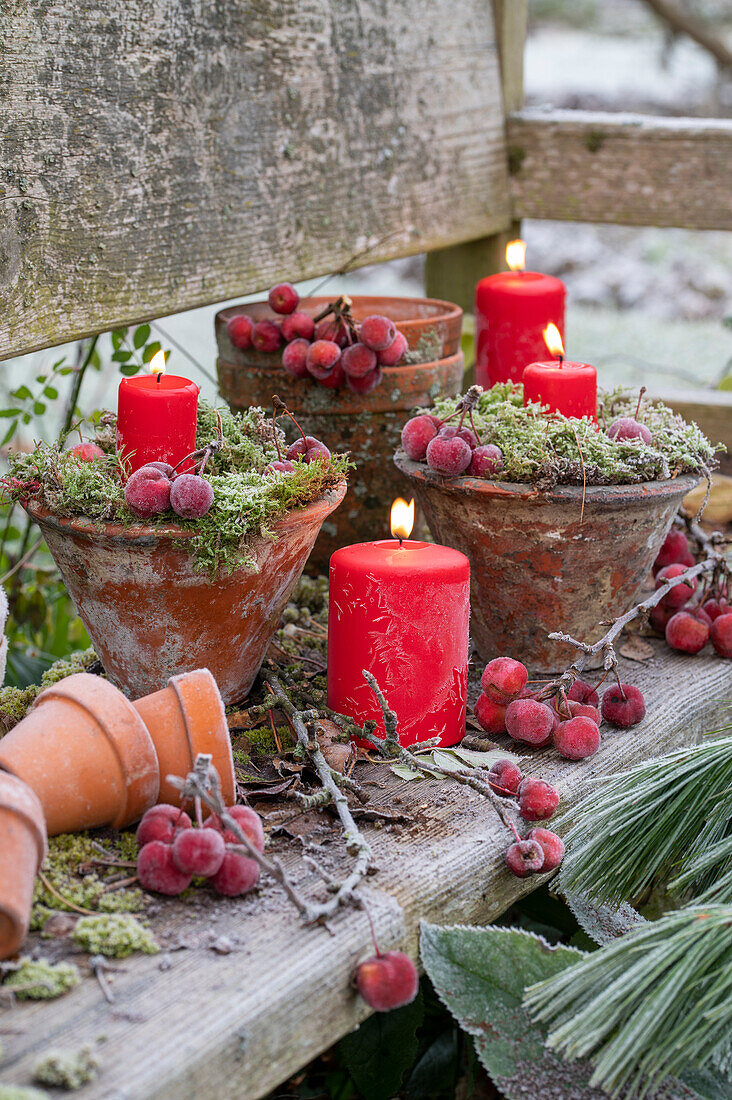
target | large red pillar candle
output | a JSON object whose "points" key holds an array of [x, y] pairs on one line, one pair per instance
{"points": [[400, 610], [567, 388], [156, 419], [512, 309]]}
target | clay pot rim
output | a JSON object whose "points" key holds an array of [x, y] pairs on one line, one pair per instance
{"points": [[450, 310], [137, 532], [633, 492], [18, 798]]}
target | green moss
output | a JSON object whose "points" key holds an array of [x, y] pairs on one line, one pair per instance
{"points": [[549, 450], [114, 935], [245, 502], [65, 854], [16, 702], [67, 1069], [594, 140], [40, 980]]}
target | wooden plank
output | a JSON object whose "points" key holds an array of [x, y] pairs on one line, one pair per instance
{"points": [[593, 166], [159, 157], [235, 1026], [451, 273], [710, 409]]}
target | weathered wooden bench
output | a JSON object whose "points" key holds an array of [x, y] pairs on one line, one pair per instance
{"points": [[159, 157]]}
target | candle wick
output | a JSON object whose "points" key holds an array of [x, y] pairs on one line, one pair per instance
{"points": [[159, 376], [400, 542], [561, 360]]}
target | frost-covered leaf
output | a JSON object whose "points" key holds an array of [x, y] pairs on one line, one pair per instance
{"points": [[480, 975], [483, 759], [603, 923]]}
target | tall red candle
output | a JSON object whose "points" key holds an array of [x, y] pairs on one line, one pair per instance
{"points": [[400, 610], [567, 388], [512, 309], [156, 419]]}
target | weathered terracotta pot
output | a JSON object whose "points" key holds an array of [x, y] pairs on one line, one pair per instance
{"points": [[22, 849], [151, 614], [86, 753], [185, 718], [537, 564], [368, 425]]}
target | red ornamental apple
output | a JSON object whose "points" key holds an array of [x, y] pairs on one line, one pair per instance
{"points": [[279, 466], [294, 358], [505, 675], [582, 692], [147, 492], [530, 721], [87, 451], [504, 778], [366, 384], [623, 705], [387, 981], [626, 427], [266, 336], [492, 716], [389, 357], [680, 593], [358, 360], [335, 379], [248, 821], [417, 433], [321, 357], [240, 329], [198, 851], [237, 875], [161, 823], [191, 496], [687, 633], [297, 326], [377, 332], [524, 858], [283, 298], [486, 462], [156, 870], [551, 845], [721, 634], [537, 799], [449, 456], [716, 606], [577, 738], [675, 550]]}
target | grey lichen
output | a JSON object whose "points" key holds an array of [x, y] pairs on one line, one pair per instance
{"points": [[40, 980], [547, 450], [115, 935], [67, 1069], [19, 1092]]}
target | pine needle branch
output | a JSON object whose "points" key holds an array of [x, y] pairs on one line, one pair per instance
{"points": [[652, 1003], [656, 818]]}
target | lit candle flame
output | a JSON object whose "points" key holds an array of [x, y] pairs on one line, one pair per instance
{"points": [[553, 341], [516, 255], [157, 363], [402, 518]]}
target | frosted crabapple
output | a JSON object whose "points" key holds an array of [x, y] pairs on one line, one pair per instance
{"points": [[248, 821], [240, 330], [237, 875], [505, 777], [448, 456], [721, 634], [389, 357], [283, 298], [686, 632], [675, 550], [505, 675], [537, 799], [266, 336], [377, 332], [529, 720], [160, 823], [358, 360], [279, 466], [156, 869], [417, 433], [487, 460], [334, 331], [365, 384], [297, 326], [335, 379], [191, 496], [626, 427], [294, 358], [551, 845], [524, 858], [87, 451], [582, 692], [680, 593], [577, 738], [147, 492], [492, 716], [623, 705], [198, 851], [321, 357]]}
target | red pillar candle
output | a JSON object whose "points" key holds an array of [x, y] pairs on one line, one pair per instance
{"points": [[512, 309], [156, 419], [400, 609], [567, 388]]}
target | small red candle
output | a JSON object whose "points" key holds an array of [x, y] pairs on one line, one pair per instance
{"points": [[512, 309], [156, 417], [400, 609], [567, 388]]}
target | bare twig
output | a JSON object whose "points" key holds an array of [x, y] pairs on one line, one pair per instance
{"points": [[682, 23]]}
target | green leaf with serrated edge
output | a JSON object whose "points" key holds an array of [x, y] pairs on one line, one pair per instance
{"points": [[382, 1048], [480, 974], [141, 336], [443, 760]]}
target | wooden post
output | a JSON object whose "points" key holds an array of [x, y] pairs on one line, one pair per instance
{"points": [[453, 272]]}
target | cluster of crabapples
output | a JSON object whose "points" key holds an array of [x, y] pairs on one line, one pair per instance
{"points": [[449, 449], [156, 487], [687, 618], [570, 722], [173, 852], [332, 350]]}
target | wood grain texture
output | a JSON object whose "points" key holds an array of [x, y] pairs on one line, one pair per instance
{"points": [[235, 1026], [628, 169], [161, 156]]}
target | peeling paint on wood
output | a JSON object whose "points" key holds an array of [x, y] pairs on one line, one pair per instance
{"points": [[158, 157]]}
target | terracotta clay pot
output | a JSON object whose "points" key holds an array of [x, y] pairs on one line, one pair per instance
{"points": [[86, 753], [537, 564], [368, 426], [22, 849], [185, 718], [151, 614]]}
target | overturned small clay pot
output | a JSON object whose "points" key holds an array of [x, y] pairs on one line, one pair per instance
{"points": [[22, 848], [87, 754], [184, 719]]}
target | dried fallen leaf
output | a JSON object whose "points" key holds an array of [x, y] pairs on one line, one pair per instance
{"points": [[636, 648]]}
